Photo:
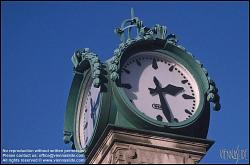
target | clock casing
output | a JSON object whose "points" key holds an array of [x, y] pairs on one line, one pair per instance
{"points": [[134, 117], [87, 112]]}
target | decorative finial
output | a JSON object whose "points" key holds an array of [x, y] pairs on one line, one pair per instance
{"points": [[132, 13], [157, 31]]}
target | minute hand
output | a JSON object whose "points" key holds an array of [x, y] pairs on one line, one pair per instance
{"points": [[165, 108]]}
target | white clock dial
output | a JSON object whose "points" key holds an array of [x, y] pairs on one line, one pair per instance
{"points": [[160, 87], [88, 113]]}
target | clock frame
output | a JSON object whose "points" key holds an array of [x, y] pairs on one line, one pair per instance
{"points": [[177, 90], [115, 107], [79, 119], [87, 67], [133, 118]]}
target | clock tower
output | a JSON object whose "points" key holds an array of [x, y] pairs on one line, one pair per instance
{"points": [[149, 103]]}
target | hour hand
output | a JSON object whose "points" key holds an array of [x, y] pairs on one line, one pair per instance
{"points": [[157, 87], [172, 90], [152, 91]]}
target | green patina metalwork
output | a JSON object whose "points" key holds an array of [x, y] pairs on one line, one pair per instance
{"points": [[157, 32], [128, 114], [85, 57], [116, 109], [86, 66]]}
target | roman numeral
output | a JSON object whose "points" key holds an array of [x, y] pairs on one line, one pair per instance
{"points": [[188, 112], [185, 96], [184, 81], [154, 64]]}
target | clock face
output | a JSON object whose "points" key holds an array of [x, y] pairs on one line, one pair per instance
{"points": [[89, 110], [160, 87]]}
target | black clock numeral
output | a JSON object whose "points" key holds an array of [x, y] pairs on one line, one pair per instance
{"points": [[171, 68], [185, 96], [127, 86], [188, 112], [86, 140], [86, 125], [138, 62], [184, 81], [176, 120], [159, 117], [154, 64], [126, 70]]}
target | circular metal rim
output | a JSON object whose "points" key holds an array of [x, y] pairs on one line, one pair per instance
{"points": [[196, 71]]}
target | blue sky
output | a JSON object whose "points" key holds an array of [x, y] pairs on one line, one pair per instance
{"points": [[39, 38]]}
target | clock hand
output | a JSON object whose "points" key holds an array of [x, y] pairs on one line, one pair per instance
{"points": [[157, 83], [165, 108], [169, 89], [92, 114], [94, 108], [97, 102], [152, 91], [157, 87], [172, 90]]}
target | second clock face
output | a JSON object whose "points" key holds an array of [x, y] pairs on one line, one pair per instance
{"points": [[89, 111], [160, 87]]}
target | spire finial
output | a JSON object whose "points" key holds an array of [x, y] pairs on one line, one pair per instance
{"points": [[157, 31], [132, 13]]}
